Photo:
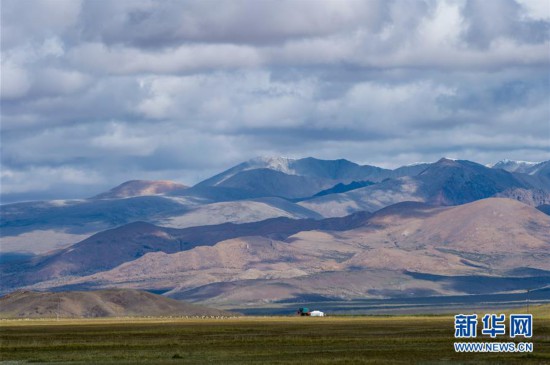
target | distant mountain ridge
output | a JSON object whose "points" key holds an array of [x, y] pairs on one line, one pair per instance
{"points": [[524, 167], [264, 188], [298, 178], [446, 182]]}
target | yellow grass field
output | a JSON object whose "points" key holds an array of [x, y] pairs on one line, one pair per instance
{"points": [[255, 340]]}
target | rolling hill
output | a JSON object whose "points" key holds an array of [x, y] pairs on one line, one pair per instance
{"points": [[39, 227], [113, 247], [487, 246], [240, 211], [101, 303]]}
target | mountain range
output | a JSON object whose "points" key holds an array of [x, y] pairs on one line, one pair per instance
{"points": [[264, 188], [274, 230]]}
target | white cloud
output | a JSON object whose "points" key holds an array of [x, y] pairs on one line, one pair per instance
{"points": [[122, 139], [443, 28], [147, 89], [53, 46], [37, 20], [46, 178], [536, 9], [15, 81], [98, 57]]}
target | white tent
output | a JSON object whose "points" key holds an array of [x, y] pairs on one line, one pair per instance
{"points": [[317, 314]]}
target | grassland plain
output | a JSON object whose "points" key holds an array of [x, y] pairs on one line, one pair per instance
{"points": [[254, 340]]}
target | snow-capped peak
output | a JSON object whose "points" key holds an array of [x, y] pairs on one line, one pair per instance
{"points": [[514, 166], [282, 164], [416, 164], [515, 162]]}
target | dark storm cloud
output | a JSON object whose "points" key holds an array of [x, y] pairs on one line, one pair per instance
{"points": [[98, 92]]}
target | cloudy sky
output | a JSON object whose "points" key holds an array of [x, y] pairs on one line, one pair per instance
{"points": [[98, 92]]}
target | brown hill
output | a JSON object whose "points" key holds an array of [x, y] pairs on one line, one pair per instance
{"points": [[101, 303], [111, 248], [140, 188], [487, 246]]}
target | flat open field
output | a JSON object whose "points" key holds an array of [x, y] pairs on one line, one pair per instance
{"points": [[253, 340]]}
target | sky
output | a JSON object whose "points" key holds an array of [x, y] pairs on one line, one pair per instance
{"points": [[94, 93]]}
